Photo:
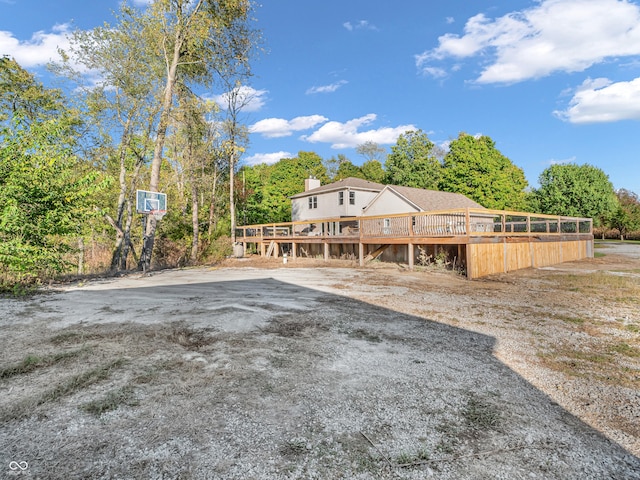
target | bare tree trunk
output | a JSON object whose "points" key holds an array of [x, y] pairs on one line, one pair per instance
{"points": [[161, 134], [232, 199], [194, 221]]}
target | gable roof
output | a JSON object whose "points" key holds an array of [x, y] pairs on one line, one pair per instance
{"points": [[427, 200], [346, 183]]}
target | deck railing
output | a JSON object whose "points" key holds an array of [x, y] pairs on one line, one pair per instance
{"points": [[446, 223]]}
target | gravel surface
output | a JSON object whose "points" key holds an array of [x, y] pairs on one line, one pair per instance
{"points": [[258, 370]]}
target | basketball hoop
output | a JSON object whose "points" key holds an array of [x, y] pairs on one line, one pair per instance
{"points": [[158, 214]]}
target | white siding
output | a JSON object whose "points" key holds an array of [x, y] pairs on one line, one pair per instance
{"points": [[328, 206], [389, 203]]}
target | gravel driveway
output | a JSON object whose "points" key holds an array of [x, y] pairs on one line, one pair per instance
{"points": [[288, 372]]}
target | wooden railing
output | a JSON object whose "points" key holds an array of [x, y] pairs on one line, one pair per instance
{"points": [[469, 222]]}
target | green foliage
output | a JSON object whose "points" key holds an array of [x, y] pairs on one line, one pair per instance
{"points": [[270, 186], [348, 169], [45, 190], [373, 171], [475, 168], [576, 190], [627, 215], [412, 162]]}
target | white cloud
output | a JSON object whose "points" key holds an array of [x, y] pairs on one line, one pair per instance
{"points": [[601, 100], [327, 88], [39, 50], [346, 135], [555, 35], [450, 20], [359, 25], [267, 158], [252, 100], [279, 127]]}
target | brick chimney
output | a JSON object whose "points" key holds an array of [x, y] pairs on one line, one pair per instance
{"points": [[311, 183]]}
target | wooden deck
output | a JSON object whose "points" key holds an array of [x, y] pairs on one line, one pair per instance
{"points": [[483, 241]]}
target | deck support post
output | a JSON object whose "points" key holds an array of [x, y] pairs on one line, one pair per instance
{"points": [[294, 248], [361, 254], [326, 251], [410, 254]]}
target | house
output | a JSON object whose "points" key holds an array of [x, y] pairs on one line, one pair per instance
{"points": [[354, 197], [344, 198]]}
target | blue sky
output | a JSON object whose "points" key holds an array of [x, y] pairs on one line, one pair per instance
{"points": [[550, 81]]}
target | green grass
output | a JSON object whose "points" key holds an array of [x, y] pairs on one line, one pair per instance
{"points": [[33, 362]]}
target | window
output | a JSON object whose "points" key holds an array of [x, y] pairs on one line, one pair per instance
{"points": [[352, 198], [340, 198], [313, 202]]}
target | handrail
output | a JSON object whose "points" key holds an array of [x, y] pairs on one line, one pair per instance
{"points": [[453, 222]]}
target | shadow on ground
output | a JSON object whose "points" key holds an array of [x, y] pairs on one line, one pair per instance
{"points": [[260, 378]]}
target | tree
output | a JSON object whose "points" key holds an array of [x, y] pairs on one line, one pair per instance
{"points": [[371, 151], [347, 169], [270, 186], [476, 168], [576, 190], [197, 40], [123, 108], [46, 192], [412, 162], [627, 216], [372, 170]]}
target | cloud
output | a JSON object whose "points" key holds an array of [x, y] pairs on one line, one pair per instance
{"points": [[600, 100], [252, 100], [326, 88], [279, 127], [450, 20], [360, 25], [37, 51], [553, 36], [267, 158], [346, 135]]}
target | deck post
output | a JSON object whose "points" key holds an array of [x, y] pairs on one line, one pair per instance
{"points": [[410, 255], [262, 249], [294, 247], [326, 251], [361, 254]]}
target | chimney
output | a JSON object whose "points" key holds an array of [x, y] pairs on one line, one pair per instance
{"points": [[311, 183]]}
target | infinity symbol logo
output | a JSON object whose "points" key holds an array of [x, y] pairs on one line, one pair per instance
{"points": [[18, 466]]}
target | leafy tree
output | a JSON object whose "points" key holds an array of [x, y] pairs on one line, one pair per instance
{"points": [[412, 162], [270, 186], [347, 169], [627, 216], [372, 170], [476, 168], [45, 190], [576, 190]]}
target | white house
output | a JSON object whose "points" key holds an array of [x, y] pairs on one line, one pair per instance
{"points": [[344, 198], [354, 197]]}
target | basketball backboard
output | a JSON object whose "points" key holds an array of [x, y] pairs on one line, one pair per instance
{"points": [[150, 202]]}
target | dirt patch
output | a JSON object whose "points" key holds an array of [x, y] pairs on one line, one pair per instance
{"points": [[308, 370]]}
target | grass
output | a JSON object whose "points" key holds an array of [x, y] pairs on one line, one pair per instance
{"points": [[66, 388], [111, 401], [615, 287], [480, 415], [33, 362]]}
